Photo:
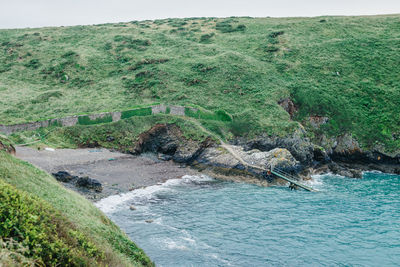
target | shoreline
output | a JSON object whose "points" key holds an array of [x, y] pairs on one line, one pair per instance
{"points": [[117, 172], [120, 173]]}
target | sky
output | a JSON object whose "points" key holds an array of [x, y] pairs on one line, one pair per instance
{"points": [[40, 13]]}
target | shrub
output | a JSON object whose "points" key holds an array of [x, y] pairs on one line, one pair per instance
{"points": [[275, 34], [70, 55], [126, 41], [240, 127], [219, 115], [42, 98], [33, 64], [202, 68], [143, 62], [49, 236], [177, 23], [226, 27], [85, 120], [205, 38], [241, 28], [223, 116], [136, 112]]}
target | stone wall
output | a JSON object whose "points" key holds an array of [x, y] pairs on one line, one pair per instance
{"points": [[73, 120], [158, 109], [177, 110]]}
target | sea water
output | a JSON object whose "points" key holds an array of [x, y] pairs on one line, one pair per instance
{"points": [[200, 221]]}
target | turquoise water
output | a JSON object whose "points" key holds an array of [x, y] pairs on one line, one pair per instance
{"points": [[199, 221]]}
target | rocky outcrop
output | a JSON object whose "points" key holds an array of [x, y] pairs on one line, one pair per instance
{"points": [[6, 145], [82, 182], [346, 150], [167, 140], [220, 161], [298, 145]]}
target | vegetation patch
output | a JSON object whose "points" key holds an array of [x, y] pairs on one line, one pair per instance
{"points": [[85, 120], [218, 115], [33, 64], [143, 62], [206, 38], [136, 112], [227, 27], [57, 226], [126, 41], [45, 97], [51, 239]]}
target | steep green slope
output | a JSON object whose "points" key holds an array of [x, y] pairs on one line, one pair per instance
{"points": [[344, 68], [56, 225]]}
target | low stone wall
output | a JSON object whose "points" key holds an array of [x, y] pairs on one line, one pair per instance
{"points": [[74, 120]]}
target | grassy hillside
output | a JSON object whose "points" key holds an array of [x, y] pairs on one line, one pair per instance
{"points": [[54, 225], [345, 68]]}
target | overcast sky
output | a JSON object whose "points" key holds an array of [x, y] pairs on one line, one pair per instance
{"points": [[38, 13]]}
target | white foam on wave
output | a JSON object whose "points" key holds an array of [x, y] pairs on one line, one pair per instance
{"points": [[319, 176], [172, 244], [114, 202]]}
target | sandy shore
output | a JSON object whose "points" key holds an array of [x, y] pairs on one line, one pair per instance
{"points": [[117, 172]]}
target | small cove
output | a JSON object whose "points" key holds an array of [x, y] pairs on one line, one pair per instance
{"points": [[200, 221]]}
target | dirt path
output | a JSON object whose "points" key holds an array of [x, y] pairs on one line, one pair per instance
{"points": [[117, 172]]}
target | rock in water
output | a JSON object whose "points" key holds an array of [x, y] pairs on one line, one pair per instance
{"points": [[131, 207]]}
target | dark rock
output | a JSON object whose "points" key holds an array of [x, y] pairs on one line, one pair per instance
{"points": [[288, 105], [356, 173], [317, 121], [189, 152], [167, 139], [346, 150], [320, 155], [345, 171], [89, 183], [164, 157], [64, 177], [161, 138]]}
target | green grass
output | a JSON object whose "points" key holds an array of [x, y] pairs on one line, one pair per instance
{"points": [[39, 193], [345, 68]]}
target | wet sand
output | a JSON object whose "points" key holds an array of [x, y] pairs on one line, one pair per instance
{"points": [[117, 172]]}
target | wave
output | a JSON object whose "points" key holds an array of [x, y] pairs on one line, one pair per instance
{"points": [[113, 203]]}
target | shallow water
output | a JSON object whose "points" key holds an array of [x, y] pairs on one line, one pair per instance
{"points": [[199, 221]]}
